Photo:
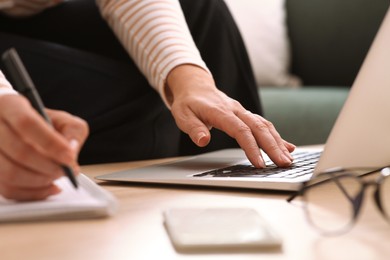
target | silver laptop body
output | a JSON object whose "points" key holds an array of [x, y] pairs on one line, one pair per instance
{"points": [[359, 138]]}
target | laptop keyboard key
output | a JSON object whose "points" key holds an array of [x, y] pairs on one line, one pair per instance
{"points": [[304, 163]]}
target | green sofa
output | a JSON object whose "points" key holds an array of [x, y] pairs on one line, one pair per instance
{"points": [[329, 40]]}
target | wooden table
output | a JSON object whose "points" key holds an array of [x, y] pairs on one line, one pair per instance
{"points": [[137, 231]]}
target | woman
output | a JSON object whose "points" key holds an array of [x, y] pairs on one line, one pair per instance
{"points": [[190, 52]]}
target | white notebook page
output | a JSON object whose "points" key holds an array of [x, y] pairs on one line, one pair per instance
{"points": [[88, 201]]}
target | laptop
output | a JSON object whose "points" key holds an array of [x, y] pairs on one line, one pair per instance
{"points": [[360, 137]]}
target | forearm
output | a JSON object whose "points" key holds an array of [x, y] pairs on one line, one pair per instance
{"points": [[22, 8], [155, 34]]}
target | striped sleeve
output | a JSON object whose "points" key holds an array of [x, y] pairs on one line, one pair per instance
{"points": [[20, 8], [155, 34], [5, 86]]}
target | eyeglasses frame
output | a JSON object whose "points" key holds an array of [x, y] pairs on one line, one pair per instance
{"points": [[338, 172]]}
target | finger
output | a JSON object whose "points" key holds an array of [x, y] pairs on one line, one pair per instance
{"points": [[31, 128], [73, 128], [280, 142], [189, 123], [23, 154], [267, 138], [237, 129], [26, 194], [16, 175], [290, 147]]}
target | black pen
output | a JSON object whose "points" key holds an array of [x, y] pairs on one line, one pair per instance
{"points": [[21, 81]]}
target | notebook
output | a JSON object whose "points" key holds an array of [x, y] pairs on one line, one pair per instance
{"points": [[88, 201], [359, 138]]}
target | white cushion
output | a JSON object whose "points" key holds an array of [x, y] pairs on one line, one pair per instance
{"points": [[263, 27]]}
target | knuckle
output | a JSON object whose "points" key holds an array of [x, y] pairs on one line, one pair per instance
{"points": [[235, 103], [264, 125], [261, 127], [268, 124], [51, 147], [22, 121], [243, 129], [180, 115], [60, 113], [273, 148]]}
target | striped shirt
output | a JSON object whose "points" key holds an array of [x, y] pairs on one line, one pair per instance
{"points": [[154, 33]]}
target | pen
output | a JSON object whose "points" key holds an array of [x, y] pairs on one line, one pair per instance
{"points": [[21, 81]]}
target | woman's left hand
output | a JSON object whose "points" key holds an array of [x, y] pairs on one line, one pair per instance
{"points": [[197, 106]]}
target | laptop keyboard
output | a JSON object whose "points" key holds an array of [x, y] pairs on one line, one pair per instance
{"points": [[304, 163]]}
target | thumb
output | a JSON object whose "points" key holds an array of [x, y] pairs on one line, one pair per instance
{"points": [[194, 127], [73, 129], [201, 136], [75, 134]]}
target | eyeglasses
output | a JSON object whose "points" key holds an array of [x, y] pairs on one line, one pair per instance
{"points": [[333, 198]]}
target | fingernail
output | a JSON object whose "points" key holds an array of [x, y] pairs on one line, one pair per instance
{"points": [[261, 162], [76, 169], [54, 190], [289, 156], [74, 144], [285, 159], [200, 137]]}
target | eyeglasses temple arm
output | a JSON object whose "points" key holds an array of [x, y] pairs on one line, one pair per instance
{"points": [[304, 187], [341, 187], [302, 190], [292, 197], [296, 194]]}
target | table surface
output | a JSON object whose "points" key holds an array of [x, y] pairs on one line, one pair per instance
{"points": [[137, 230]]}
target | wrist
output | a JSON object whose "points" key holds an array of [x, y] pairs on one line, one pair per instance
{"points": [[183, 78]]}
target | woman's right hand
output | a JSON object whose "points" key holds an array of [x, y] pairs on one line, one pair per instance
{"points": [[31, 151]]}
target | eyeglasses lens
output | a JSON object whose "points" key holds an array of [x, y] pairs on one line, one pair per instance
{"points": [[385, 196], [329, 205]]}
